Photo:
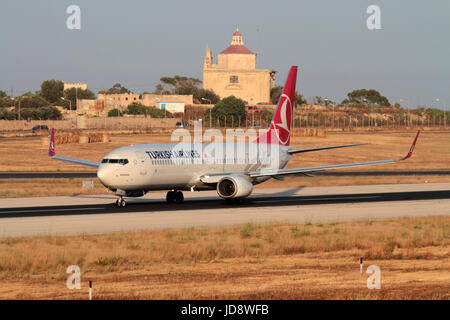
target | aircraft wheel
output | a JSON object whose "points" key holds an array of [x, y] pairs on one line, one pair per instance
{"points": [[179, 197], [120, 203], [170, 197]]}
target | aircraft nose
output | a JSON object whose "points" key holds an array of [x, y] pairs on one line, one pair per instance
{"points": [[102, 175]]}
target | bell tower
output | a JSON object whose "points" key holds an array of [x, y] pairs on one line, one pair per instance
{"points": [[208, 61], [237, 38]]}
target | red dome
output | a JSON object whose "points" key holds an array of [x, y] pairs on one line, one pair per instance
{"points": [[237, 33], [236, 48]]}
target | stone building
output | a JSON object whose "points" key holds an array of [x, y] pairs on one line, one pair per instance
{"points": [[236, 74], [118, 100], [108, 101]]}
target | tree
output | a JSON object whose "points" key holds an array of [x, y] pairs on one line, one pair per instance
{"points": [[227, 111], [275, 94], [3, 94], [6, 101], [177, 85], [32, 101], [299, 100], [43, 113], [114, 113], [52, 90], [186, 86], [6, 114], [206, 96], [138, 108], [328, 102], [118, 88], [365, 97], [317, 100], [72, 94]]}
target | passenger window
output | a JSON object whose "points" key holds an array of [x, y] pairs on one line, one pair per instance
{"points": [[105, 160]]}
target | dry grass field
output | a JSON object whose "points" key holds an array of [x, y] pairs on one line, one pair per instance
{"points": [[18, 188], [269, 261]]}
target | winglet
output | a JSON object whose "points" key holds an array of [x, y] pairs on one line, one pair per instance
{"points": [[410, 152], [51, 147]]}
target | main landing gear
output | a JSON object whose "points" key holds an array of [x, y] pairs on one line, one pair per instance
{"points": [[120, 202], [174, 197]]}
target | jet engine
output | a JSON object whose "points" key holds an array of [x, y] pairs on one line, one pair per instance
{"points": [[234, 186]]}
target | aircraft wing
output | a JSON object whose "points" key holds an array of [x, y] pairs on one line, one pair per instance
{"points": [[77, 161], [294, 151], [305, 170], [52, 154]]}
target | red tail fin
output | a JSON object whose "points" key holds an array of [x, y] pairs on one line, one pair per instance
{"points": [[280, 127], [51, 147]]}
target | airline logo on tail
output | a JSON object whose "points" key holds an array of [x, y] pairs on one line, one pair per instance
{"points": [[280, 126], [283, 124]]}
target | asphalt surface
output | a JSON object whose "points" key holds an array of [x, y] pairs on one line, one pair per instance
{"points": [[97, 214], [213, 204], [47, 175]]}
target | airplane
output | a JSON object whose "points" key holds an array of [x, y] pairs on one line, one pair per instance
{"points": [[134, 170]]}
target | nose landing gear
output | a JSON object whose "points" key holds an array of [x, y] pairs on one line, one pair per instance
{"points": [[120, 202], [174, 197]]}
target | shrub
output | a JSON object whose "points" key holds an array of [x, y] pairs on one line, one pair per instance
{"points": [[138, 108], [114, 113]]}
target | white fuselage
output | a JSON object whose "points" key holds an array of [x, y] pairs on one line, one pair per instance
{"points": [[144, 167]]}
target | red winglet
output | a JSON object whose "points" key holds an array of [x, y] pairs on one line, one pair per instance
{"points": [[412, 147], [51, 147]]}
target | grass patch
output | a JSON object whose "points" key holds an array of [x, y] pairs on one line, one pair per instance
{"points": [[292, 261], [247, 230], [397, 239]]}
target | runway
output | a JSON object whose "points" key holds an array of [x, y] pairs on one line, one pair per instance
{"points": [[97, 214]]}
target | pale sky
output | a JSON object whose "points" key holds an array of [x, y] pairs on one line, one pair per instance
{"points": [[137, 42]]}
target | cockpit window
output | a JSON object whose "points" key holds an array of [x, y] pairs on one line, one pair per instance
{"points": [[120, 161]]}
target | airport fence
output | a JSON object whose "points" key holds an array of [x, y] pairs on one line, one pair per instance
{"points": [[98, 123], [341, 119], [302, 119]]}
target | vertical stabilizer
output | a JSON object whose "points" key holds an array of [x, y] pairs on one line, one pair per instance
{"points": [[280, 126]]}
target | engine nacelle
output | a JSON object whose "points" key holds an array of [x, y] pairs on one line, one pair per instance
{"points": [[234, 187]]}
